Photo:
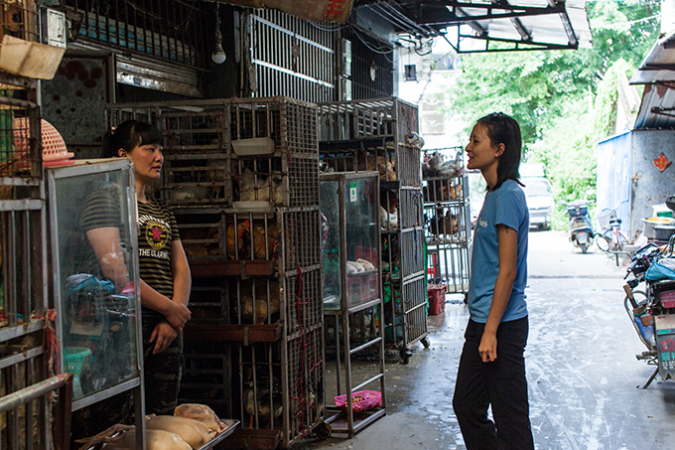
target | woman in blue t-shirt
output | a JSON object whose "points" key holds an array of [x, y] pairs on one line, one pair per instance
{"points": [[492, 368]]}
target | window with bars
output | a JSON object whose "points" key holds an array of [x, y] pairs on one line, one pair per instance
{"points": [[174, 30]]}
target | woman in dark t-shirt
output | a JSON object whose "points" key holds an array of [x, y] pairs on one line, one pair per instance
{"points": [[164, 270]]}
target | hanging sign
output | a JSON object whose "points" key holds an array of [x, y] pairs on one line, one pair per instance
{"points": [[314, 10], [662, 162]]}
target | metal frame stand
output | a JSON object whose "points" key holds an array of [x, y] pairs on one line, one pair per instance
{"points": [[336, 416]]}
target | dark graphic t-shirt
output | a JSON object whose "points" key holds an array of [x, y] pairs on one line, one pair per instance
{"points": [[156, 230]]}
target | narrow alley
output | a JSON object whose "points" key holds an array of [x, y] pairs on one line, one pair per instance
{"points": [[582, 372]]}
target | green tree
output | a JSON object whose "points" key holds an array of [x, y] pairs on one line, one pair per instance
{"points": [[564, 100]]}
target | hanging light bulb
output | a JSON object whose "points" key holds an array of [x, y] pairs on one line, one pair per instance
{"points": [[218, 56]]}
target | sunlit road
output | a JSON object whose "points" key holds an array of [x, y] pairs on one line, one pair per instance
{"points": [[581, 367]]}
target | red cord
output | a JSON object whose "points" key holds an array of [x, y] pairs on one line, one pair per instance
{"points": [[53, 349], [299, 382]]}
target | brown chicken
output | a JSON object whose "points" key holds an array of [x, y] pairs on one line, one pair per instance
{"points": [[441, 225], [441, 191], [261, 303], [386, 168], [259, 240]]}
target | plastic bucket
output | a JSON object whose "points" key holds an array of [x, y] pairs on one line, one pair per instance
{"points": [[73, 359]]}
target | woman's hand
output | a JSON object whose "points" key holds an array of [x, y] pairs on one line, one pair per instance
{"points": [[488, 347], [177, 315], [162, 336]]}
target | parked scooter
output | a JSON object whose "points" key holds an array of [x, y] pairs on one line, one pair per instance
{"points": [[652, 310], [581, 229]]}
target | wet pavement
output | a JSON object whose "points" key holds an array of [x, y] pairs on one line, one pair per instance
{"points": [[580, 359]]}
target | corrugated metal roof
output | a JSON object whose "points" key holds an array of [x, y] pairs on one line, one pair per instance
{"points": [[543, 28], [657, 73], [467, 25], [655, 99], [659, 63]]}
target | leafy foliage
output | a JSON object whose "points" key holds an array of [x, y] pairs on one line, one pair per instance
{"points": [[564, 101]]}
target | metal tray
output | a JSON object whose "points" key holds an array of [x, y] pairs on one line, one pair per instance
{"points": [[231, 425]]}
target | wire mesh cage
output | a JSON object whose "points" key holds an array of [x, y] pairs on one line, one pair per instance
{"points": [[28, 425], [23, 307], [394, 161], [357, 119], [305, 385], [20, 138], [261, 251], [19, 18], [410, 209], [447, 218], [415, 304], [412, 253], [207, 375], [280, 386], [246, 150], [22, 269]]}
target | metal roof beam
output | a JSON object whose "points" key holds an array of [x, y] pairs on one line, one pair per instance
{"points": [[531, 46], [435, 15], [567, 23], [517, 23], [475, 26]]}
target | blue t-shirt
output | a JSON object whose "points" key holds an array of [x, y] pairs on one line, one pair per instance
{"points": [[504, 206]]}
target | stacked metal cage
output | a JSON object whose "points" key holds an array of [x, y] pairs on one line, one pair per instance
{"points": [[447, 223], [242, 178], [375, 134], [24, 378]]}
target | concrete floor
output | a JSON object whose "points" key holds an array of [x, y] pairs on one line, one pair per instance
{"points": [[581, 367]]}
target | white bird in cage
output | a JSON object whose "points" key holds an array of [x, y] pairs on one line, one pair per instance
{"points": [[250, 184]]}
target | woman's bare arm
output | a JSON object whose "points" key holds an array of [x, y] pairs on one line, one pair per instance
{"points": [[508, 257]]}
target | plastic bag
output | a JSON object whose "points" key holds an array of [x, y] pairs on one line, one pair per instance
{"points": [[361, 401], [661, 270]]}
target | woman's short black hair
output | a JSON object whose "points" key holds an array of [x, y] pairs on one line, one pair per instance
{"points": [[129, 135], [503, 129]]}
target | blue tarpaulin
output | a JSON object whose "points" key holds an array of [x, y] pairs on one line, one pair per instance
{"points": [[613, 176]]}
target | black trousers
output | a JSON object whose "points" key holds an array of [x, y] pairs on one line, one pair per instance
{"points": [[162, 372], [501, 384]]}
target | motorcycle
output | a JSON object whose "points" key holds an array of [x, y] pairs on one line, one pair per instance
{"points": [[652, 310], [581, 229]]}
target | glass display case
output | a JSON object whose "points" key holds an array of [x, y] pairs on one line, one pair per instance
{"points": [[350, 239], [94, 244], [353, 306]]}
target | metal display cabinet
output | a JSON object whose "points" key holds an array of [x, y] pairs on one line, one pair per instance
{"points": [[218, 152], [97, 303], [352, 291], [447, 223], [365, 135]]}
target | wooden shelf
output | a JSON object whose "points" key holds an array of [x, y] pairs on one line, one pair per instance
{"points": [[232, 333], [257, 439], [210, 268]]}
